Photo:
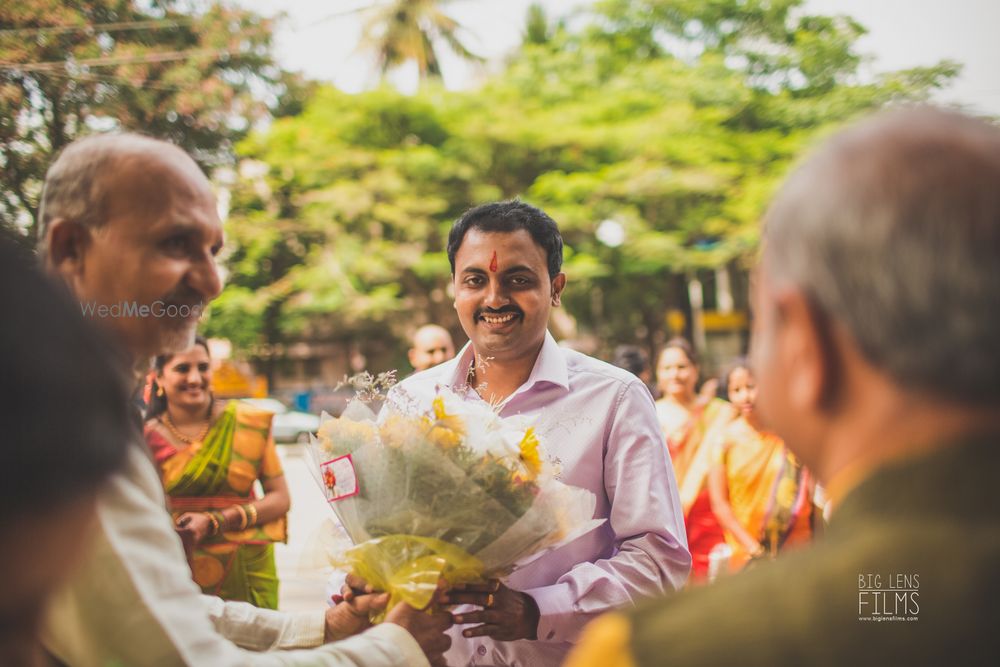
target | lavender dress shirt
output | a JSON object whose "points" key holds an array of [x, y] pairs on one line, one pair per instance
{"points": [[599, 426]]}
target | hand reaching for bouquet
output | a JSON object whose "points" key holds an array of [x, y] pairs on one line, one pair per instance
{"points": [[506, 614], [352, 613], [357, 600]]}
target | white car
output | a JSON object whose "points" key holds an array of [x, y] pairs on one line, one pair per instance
{"points": [[288, 425]]}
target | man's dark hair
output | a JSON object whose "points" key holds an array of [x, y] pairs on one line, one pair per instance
{"points": [[510, 216], [63, 391]]}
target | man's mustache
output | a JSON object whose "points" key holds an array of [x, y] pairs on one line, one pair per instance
{"points": [[183, 297], [499, 311]]}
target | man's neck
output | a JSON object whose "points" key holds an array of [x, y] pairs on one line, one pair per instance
{"points": [[897, 428], [496, 379]]}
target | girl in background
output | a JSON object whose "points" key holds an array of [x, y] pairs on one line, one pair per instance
{"points": [[760, 493]]}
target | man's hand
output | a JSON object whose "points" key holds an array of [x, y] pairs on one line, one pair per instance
{"points": [[352, 613], [507, 614], [427, 628]]}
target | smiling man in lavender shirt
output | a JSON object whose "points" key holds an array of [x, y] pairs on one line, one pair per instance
{"points": [[599, 426]]}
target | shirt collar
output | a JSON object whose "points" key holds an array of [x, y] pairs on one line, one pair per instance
{"points": [[550, 366]]}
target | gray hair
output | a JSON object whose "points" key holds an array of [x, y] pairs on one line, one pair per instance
{"points": [[893, 230], [75, 187]]}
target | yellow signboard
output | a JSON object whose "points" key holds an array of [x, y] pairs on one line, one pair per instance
{"points": [[713, 320], [230, 382]]}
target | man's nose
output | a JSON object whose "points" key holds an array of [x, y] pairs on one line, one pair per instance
{"points": [[205, 278], [496, 295]]}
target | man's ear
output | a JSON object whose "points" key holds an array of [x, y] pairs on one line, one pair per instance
{"points": [[813, 361], [66, 248], [558, 285]]}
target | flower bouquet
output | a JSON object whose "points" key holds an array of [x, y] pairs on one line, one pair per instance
{"points": [[452, 491]]}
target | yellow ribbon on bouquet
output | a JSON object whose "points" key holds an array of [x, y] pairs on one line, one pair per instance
{"points": [[409, 567]]}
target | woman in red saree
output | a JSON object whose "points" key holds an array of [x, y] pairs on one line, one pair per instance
{"points": [[760, 492], [690, 423], [210, 455]]}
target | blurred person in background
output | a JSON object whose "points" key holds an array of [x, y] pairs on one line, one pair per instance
{"points": [[66, 431], [635, 360], [876, 323], [691, 421], [210, 454], [432, 345], [760, 492]]}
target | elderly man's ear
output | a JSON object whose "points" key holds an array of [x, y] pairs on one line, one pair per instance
{"points": [[810, 349], [66, 248]]}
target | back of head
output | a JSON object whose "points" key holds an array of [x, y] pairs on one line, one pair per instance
{"points": [[893, 230], [64, 396], [632, 358]]}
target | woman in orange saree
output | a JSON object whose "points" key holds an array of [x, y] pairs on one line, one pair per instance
{"points": [[690, 423], [210, 456], [760, 492]]}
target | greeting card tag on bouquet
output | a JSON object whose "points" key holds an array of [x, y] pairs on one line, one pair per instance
{"points": [[340, 480]]}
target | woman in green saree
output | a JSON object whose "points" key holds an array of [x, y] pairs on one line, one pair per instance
{"points": [[210, 455]]}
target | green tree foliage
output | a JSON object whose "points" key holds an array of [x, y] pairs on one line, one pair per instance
{"points": [[671, 122], [197, 79]]}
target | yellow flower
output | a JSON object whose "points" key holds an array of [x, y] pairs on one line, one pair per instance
{"points": [[529, 452], [340, 436], [397, 431], [446, 431], [444, 437]]}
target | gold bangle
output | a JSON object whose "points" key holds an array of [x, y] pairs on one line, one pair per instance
{"points": [[251, 509], [213, 521], [221, 522], [243, 516]]}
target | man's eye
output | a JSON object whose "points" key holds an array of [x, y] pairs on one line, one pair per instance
{"points": [[473, 280], [175, 244]]}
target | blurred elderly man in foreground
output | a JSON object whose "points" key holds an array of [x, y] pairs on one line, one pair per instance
{"points": [[130, 225], [877, 350]]}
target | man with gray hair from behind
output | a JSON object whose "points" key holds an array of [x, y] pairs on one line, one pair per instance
{"points": [[877, 354]]}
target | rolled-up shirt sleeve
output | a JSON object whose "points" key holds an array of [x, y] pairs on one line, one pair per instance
{"points": [[651, 555]]}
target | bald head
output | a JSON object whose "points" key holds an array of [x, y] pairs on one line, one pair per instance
{"points": [[892, 229], [95, 174], [131, 225], [432, 345]]}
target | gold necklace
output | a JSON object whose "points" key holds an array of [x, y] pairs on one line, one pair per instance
{"points": [[165, 420]]}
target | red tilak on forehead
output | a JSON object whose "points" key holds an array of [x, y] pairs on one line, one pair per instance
{"points": [[493, 262]]}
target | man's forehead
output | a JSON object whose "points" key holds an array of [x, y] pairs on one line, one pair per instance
{"points": [[514, 247], [432, 338], [151, 188]]}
